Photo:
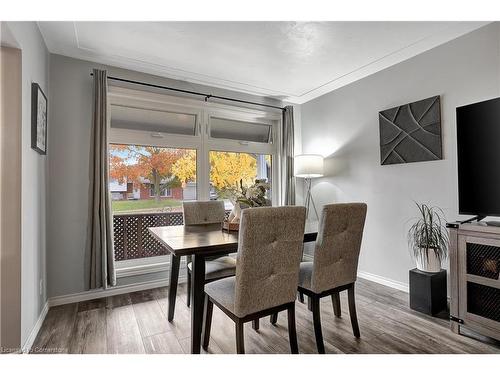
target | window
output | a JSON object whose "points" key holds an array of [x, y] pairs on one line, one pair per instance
{"points": [[230, 169], [152, 120], [165, 149], [159, 178], [165, 191], [240, 130]]}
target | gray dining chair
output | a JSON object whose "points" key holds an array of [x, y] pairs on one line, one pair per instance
{"points": [[200, 213], [335, 264], [267, 272]]}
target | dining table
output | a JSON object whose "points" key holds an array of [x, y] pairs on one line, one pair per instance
{"points": [[200, 242]]}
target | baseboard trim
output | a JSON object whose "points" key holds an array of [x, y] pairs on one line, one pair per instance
{"points": [[36, 328], [101, 293], [142, 270], [375, 278], [113, 291], [384, 281]]}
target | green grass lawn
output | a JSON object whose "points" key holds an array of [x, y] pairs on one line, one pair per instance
{"points": [[146, 205]]}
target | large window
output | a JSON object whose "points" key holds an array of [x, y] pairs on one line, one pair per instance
{"points": [[164, 150]]}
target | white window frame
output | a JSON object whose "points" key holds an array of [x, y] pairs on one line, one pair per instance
{"points": [[201, 142]]}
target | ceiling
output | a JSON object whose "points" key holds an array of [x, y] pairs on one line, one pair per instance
{"points": [[292, 61]]}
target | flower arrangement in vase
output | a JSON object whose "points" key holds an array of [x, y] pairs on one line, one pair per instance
{"points": [[246, 197]]}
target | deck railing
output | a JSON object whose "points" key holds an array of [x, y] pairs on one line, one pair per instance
{"points": [[131, 236], [132, 239]]}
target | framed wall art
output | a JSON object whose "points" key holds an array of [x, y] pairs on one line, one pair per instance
{"points": [[38, 119]]}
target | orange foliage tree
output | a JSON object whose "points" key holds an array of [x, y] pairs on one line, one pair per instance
{"points": [[136, 163]]}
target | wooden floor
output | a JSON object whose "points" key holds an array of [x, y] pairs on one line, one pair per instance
{"points": [[137, 323]]}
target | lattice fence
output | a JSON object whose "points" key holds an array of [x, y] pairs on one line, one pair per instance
{"points": [[132, 239]]}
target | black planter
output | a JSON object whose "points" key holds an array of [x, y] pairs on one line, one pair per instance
{"points": [[428, 291]]}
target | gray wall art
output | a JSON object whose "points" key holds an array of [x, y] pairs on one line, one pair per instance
{"points": [[411, 132]]}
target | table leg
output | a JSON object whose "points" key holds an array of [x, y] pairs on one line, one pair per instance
{"points": [[175, 262], [197, 302]]}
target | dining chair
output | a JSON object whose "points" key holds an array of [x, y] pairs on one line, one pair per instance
{"points": [[335, 264], [267, 271], [207, 212]]}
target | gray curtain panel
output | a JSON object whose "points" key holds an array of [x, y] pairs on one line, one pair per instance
{"points": [[102, 267], [287, 154]]}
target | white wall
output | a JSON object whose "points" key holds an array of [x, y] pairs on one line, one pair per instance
{"points": [[343, 126], [35, 68], [68, 175]]}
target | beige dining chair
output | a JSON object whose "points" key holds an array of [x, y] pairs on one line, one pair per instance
{"points": [[267, 271], [335, 264], [200, 213]]}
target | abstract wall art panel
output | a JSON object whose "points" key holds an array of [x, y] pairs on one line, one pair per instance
{"points": [[411, 132]]}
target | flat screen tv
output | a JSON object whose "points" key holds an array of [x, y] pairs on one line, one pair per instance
{"points": [[478, 146]]}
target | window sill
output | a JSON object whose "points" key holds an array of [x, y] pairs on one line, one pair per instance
{"points": [[136, 267]]}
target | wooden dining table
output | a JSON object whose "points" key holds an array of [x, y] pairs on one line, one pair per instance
{"points": [[200, 242]]}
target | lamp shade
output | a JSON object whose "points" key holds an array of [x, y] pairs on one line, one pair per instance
{"points": [[308, 166]]}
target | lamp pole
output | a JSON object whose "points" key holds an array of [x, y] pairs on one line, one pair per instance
{"points": [[309, 166], [309, 198]]}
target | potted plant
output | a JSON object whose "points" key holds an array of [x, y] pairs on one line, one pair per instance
{"points": [[428, 239]]}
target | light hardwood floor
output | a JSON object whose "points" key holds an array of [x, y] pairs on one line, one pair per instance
{"points": [[137, 323]]}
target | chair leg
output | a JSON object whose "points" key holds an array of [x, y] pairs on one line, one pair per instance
{"points": [[301, 297], [336, 304], [274, 319], [352, 311], [240, 338], [317, 324], [292, 330], [188, 288], [207, 319], [309, 303], [255, 324]]}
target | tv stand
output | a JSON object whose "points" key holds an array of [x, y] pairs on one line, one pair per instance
{"points": [[475, 278], [477, 218]]}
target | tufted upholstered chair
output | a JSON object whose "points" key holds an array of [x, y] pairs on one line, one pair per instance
{"points": [[267, 271], [335, 263], [203, 212], [200, 213]]}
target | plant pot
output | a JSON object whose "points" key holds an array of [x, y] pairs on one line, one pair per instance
{"points": [[428, 261]]}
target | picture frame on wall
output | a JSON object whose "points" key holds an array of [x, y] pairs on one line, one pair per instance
{"points": [[38, 119]]}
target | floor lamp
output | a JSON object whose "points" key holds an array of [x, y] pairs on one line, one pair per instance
{"points": [[308, 166]]}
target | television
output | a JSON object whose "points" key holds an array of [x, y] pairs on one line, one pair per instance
{"points": [[478, 148]]}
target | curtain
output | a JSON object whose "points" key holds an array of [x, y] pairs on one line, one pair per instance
{"points": [[101, 262], [287, 154]]}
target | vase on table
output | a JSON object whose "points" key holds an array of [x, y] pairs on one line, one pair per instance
{"points": [[233, 220]]}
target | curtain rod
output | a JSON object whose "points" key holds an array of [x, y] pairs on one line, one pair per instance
{"points": [[207, 96]]}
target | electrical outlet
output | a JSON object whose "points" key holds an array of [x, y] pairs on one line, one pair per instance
{"points": [[41, 286]]}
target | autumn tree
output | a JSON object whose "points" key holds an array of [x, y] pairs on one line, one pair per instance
{"points": [[185, 167], [135, 163], [226, 169]]}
